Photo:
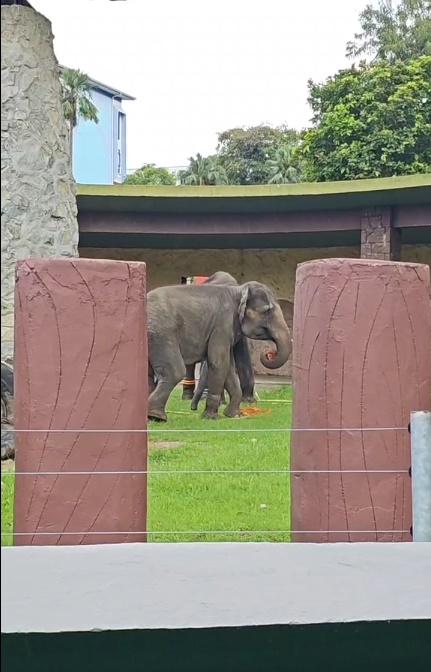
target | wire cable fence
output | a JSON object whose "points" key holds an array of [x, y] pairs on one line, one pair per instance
{"points": [[189, 473]]}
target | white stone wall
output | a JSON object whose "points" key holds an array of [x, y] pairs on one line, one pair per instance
{"points": [[39, 214], [204, 585]]}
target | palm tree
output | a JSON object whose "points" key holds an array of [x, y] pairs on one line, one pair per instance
{"points": [[282, 167], [77, 101], [203, 170]]}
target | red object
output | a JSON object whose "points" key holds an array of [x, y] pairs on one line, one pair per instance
{"points": [[80, 363], [270, 356], [199, 279]]}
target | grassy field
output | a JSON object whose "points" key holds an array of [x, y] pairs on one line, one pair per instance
{"points": [[212, 506]]}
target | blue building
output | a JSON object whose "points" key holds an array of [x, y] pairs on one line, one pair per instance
{"points": [[99, 150]]}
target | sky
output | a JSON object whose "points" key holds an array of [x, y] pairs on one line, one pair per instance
{"points": [[198, 68]]}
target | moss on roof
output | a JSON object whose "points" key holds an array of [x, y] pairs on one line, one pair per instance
{"points": [[258, 198], [299, 189]]}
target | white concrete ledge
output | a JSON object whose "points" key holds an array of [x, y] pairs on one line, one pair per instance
{"points": [[155, 586]]}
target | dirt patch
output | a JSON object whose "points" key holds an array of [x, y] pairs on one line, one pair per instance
{"points": [[164, 445]]}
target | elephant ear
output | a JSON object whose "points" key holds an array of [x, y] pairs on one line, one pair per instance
{"points": [[243, 302]]}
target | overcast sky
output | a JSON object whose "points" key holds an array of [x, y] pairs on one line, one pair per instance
{"points": [[197, 68]]}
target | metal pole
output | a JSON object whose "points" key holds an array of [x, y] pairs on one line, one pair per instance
{"points": [[420, 432]]}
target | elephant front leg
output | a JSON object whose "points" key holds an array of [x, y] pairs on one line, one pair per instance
{"points": [[244, 368], [233, 387], [218, 365]]}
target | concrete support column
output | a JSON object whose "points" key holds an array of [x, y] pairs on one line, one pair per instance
{"points": [[361, 364], [379, 240], [81, 363]]}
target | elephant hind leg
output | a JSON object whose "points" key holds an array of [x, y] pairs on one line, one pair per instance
{"points": [[169, 370]]}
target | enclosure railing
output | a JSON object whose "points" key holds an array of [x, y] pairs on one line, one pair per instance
{"points": [[420, 472]]}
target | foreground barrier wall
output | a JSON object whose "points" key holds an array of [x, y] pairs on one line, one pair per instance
{"points": [[80, 363], [362, 359]]}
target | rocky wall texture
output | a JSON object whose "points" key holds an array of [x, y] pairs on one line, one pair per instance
{"points": [[39, 214]]}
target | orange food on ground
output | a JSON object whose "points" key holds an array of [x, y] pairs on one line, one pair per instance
{"points": [[254, 410]]}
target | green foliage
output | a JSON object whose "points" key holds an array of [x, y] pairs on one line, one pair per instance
{"points": [[203, 170], [284, 167], [370, 121], [393, 31], [245, 153], [76, 90], [149, 174]]}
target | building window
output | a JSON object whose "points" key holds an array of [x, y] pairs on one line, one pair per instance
{"points": [[120, 169]]}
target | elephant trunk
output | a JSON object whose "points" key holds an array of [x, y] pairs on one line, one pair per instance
{"points": [[283, 342]]}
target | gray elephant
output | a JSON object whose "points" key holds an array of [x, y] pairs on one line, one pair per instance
{"points": [[7, 394], [190, 323], [241, 355]]}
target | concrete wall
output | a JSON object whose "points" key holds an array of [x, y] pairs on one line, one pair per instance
{"points": [[274, 267]]}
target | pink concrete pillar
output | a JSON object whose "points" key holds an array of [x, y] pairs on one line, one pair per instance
{"points": [[362, 359], [80, 363]]}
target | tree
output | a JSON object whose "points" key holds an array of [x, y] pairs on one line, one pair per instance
{"points": [[77, 101], [149, 173], [244, 152], [370, 121], [284, 167], [203, 170], [393, 30]]}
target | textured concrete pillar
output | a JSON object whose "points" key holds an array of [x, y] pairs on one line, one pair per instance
{"points": [[37, 189], [362, 359], [80, 363], [379, 240]]}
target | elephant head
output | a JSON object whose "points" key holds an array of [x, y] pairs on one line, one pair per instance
{"points": [[261, 318]]}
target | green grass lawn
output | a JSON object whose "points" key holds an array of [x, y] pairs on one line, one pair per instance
{"points": [[212, 506]]}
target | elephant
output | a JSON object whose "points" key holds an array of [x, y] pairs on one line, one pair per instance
{"points": [[241, 355], [7, 394], [189, 323]]}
